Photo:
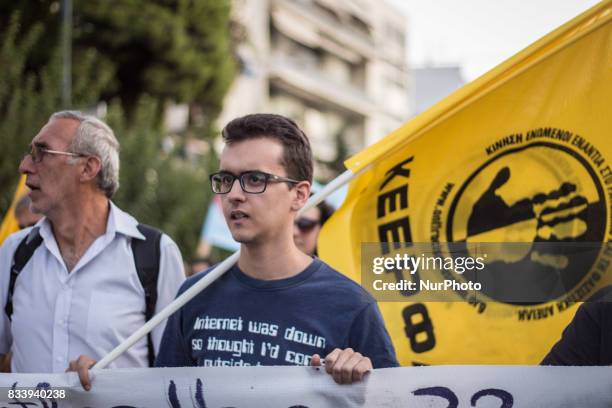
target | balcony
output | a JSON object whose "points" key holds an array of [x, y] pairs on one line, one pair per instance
{"points": [[314, 85], [326, 27]]}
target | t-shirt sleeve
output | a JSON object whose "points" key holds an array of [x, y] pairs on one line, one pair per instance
{"points": [[580, 342], [173, 350], [369, 336]]}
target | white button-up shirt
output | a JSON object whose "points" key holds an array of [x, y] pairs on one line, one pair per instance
{"points": [[59, 315]]}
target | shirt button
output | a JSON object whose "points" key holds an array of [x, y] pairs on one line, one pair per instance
{"points": [[59, 359]]}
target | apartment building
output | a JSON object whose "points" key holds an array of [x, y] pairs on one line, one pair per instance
{"points": [[337, 67]]}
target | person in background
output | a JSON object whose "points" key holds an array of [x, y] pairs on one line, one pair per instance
{"points": [[308, 226], [25, 217], [587, 340], [199, 264]]}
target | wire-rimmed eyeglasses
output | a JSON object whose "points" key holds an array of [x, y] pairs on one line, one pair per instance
{"points": [[37, 153]]}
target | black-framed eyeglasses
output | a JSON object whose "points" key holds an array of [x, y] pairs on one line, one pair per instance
{"points": [[306, 224], [37, 153], [254, 181]]}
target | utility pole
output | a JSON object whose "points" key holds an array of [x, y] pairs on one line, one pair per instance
{"points": [[66, 40]]}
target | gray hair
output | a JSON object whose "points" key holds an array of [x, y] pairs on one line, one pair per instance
{"points": [[96, 138]]}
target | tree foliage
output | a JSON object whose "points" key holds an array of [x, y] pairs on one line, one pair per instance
{"points": [[160, 189], [169, 49], [135, 55], [27, 97]]}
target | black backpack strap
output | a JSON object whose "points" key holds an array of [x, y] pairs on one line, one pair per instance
{"points": [[146, 257], [22, 255]]}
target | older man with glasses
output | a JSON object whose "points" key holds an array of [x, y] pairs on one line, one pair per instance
{"points": [[74, 283]]}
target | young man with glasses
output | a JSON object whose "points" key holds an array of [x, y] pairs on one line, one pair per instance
{"points": [[277, 305], [69, 285]]}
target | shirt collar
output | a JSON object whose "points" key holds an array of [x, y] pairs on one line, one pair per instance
{"points": [[118, 221], [122, 222]]}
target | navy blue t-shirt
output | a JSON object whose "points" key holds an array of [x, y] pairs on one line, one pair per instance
{"points": [[239, 320]]}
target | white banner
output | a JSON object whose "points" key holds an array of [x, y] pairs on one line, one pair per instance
{"points": [[285, 387]]}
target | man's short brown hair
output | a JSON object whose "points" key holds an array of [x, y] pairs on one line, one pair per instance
{"points": [[297, 154]]}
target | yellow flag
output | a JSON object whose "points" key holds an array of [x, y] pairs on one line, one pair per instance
{"points": [[9, 222], [519, 140]]}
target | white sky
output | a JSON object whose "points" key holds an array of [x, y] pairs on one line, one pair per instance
{"points": [[479, 34]]}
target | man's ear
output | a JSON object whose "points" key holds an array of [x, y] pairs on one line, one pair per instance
{"points": [[93, 166], [302, 194]]}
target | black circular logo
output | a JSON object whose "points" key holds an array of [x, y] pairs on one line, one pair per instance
{"points": [[540, 208]]}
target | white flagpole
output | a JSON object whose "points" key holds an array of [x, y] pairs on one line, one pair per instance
{"points": [[210, 277], [329, 189]]}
